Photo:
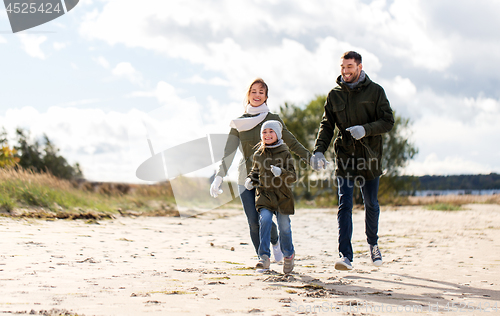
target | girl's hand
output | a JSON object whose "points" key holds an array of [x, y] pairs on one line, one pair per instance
{"points": [[276, 170]]}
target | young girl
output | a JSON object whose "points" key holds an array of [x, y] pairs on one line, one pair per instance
{"points": [[272, 174], [245, 134]]}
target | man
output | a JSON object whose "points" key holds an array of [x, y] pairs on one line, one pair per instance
{"points": [[359, 108]]}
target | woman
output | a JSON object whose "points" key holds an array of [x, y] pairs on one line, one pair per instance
{"points": [[246, 130]]}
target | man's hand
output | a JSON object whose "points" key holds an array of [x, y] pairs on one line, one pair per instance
{"points": [[357, 131], [318, 161]]}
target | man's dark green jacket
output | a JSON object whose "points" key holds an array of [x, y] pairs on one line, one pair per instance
{"points": [[365, 105]]}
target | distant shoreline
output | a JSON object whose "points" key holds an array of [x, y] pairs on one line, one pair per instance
{"points": [[455, 192]]}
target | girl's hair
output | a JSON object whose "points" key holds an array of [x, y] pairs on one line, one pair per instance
{"points": [[259, 81], [260, 147]]}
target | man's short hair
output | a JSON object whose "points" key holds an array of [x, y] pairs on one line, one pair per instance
{"points": [[352, 55]]}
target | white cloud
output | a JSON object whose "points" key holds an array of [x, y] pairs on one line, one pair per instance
{"points": [[404, 97], [412, 37], [59, 24], [2, 40], [187, 29], [59, 46], [82, 102], [449, 145], [31, 44], [183, 118], [294, 46], [196, 117], [400, 87], [215, 81], [108, 145], [127, 71], [167, 94], [483, 105], [288, 79], [142, 94], [102, 61], [434, 165]]}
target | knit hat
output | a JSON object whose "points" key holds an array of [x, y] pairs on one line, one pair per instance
{"points": [[274, 125]]}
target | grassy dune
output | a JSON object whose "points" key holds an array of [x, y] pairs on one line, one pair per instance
{"points": [[28, 194]]}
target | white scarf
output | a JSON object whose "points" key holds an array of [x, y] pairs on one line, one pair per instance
{"points": [[247, 123]]}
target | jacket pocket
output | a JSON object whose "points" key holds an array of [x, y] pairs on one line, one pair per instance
{"points": [[339, 112], [369, 104], [373, 146]]}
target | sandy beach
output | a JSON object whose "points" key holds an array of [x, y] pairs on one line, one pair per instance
{"points": [[435, 263]]}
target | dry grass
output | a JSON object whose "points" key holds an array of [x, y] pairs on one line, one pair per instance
{"points": [[27, 194], [11, 175], [454, 199]]}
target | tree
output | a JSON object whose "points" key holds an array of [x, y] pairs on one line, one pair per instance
{"points": [[398, 150], [57, 164], [43, 157], [7, 155], [304, 125], [29, 153]]}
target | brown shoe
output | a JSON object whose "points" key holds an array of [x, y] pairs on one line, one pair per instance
{"points": [[288, 264], [264, 262]]}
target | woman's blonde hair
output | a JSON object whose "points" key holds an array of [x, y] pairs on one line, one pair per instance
{"points": [[259, 81]]}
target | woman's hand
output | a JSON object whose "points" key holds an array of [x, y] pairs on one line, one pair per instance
{"points": [[248, 184], [215, 187]]}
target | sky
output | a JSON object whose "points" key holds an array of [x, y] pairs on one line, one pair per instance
{"points": [[103, 78]]}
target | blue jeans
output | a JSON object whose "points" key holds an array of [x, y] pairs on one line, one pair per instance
{"points": [[248, 201], [285, 229], [369, 191]]}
